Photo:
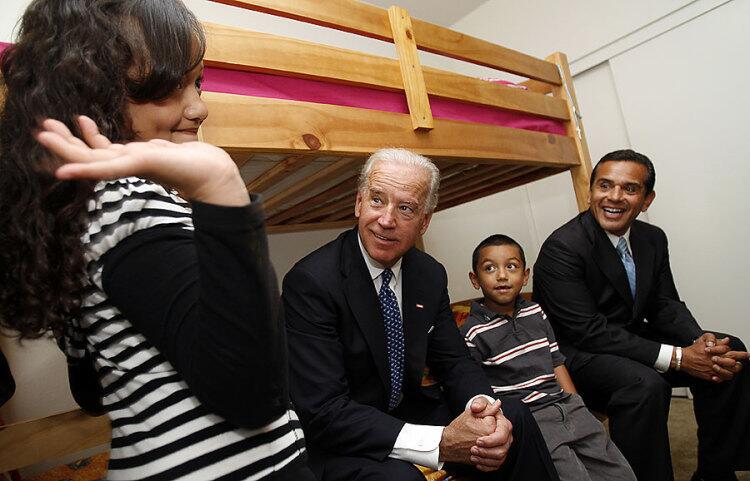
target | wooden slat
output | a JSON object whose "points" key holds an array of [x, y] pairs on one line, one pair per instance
{"points": [[241, 162], [443, 41], [234, 48], [240, 49], [531, 176], [370, 21], [344, 187], [581, 172], [454, 169], [326, 174], [322, 212], [460, 178], [411, 68], [54, 437], [284, 229], [343, 213], [481, 178], [278, 172], [478, 91], [271, 125], [537, 86], [492, 181]]}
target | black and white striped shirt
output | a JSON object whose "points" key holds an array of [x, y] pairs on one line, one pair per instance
{"points": [[181, 318], [517, 353]]}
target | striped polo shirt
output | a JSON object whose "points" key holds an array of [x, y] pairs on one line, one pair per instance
{"points": [[518, 353]]}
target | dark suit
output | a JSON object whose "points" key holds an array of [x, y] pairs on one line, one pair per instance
{"points": [[611, 343], [339, 371]]}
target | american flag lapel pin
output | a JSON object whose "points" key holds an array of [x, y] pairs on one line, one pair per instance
{"points": [[420, 306]]}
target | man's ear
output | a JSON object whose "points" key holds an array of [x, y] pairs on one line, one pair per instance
{"points": [[647, 202], [425, 223], [474, 280], [358, 205]]}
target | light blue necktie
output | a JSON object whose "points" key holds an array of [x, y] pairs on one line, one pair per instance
{"points": [[627, 262], [394, 331]]}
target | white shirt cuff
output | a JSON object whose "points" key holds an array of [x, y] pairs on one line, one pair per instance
{"points": [[419, 444], [664, 359]]}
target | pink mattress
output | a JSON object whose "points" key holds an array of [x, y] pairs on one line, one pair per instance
{"points": [[288, 88]]}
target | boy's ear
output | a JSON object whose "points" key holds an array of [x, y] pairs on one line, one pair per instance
{"points": [[526, 273], [474, 279]]}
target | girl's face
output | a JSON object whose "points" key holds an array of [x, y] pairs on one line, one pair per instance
{"points": [[175, 118]]}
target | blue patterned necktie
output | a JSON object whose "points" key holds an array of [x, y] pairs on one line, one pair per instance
{"points": [[627, 262], [394, 332]]}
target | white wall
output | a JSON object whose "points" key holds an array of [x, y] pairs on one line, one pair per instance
{"points": [[700, 151]]}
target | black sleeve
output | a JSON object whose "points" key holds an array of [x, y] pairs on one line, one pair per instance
{"points": [[668, 317], [208, 301]]}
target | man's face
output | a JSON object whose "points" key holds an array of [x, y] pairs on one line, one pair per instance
{"points": [[618, 195], [391, 211]]}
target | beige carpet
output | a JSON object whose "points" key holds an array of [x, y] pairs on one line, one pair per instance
{"points": [[683, 441]]}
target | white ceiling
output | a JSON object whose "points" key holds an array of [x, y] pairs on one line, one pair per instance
{"points": [[440, 12]]}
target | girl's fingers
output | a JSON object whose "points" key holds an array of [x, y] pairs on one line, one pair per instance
{"points": [[91, 133], [59, 128], [122, 166]]}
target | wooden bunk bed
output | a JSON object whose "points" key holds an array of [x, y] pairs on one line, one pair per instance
{"points": [[304, 156]]}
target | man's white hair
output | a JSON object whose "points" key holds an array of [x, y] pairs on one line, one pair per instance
{"points": [[406, 158]]}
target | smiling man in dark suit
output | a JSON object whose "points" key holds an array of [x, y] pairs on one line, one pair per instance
{"points": [[365, 314], [605, 282]]}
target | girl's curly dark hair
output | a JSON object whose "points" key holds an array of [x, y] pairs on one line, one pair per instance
{"points": [[72, 57]]}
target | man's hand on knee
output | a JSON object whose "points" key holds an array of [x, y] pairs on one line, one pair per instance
{"points": [[710, 359], [489, 452], [481, 436]]}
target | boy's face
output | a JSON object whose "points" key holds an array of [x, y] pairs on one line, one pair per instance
{"points": [[500, 274]]}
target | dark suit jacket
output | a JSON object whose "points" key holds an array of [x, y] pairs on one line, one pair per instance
{"points": [[581, 283], [337, 349]]}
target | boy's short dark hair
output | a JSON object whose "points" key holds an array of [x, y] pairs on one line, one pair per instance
{"points": [[495, 240]]}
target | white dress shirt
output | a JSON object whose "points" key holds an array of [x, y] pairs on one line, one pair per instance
{"points": [[664, 359]]}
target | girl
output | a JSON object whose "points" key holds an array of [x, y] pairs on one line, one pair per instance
{"points": [[164, 283]]}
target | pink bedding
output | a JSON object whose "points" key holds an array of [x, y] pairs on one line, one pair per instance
{"points": [[274, 86]]}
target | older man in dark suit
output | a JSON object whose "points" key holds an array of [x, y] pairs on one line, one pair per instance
{"points": [[365, 314], [605, 282]]}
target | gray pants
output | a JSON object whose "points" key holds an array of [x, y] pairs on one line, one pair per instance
{"points": [[579, 445]]}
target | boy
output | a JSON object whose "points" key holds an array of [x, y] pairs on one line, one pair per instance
{"points": [[513, 341]]}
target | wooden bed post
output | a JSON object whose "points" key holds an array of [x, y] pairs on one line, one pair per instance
{"points": [[582, 172]]}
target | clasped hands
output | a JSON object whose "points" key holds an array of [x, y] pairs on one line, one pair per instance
{"points": [[711, 359], [481, 436]]}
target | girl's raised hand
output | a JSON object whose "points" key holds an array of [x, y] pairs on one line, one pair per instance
{"points": [[198, 170]]}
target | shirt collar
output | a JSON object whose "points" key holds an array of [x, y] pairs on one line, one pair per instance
{"points": [[477, 308], [375, 267], [616, 239]]}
